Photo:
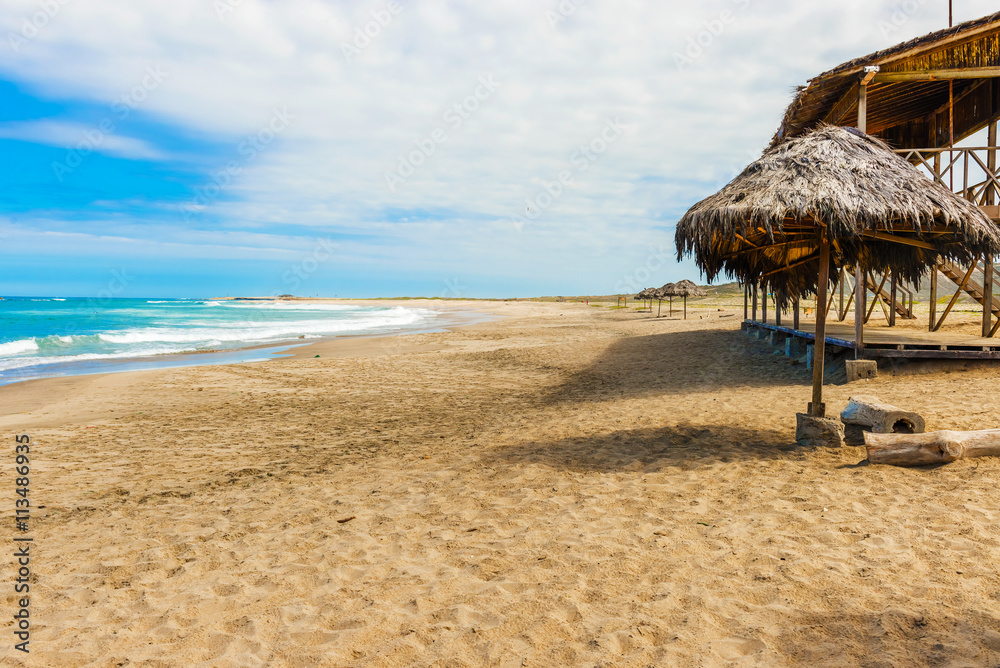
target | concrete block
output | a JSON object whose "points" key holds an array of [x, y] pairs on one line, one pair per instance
{"points": [[809, 356], [861, 370], [818, 432], [777, 338], [793, 346]]}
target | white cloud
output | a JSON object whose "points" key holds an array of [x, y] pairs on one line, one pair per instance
{"points": [[70, 135], [687, 128]]}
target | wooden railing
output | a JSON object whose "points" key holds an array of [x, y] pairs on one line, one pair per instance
{"points": [[971, 172]]}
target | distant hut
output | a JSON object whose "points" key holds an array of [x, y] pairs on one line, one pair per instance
{"points": [[661, 293], [834, 196], [684, 289], [647, 295]]}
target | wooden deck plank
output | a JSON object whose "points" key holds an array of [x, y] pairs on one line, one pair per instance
{"points": [[882, 343]]}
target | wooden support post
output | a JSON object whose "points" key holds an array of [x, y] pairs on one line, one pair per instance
{"points": [[863, 107], [763, 304], [859, 309], [933, 304], [754, 289], [987, 294], [991, 199], [685, 307], [777, 310], [816, 407], [746, 298], [795, 316], [892, 300], [841, 314]]}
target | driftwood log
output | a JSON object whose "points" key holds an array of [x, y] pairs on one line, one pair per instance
{"points": [[936, 447], [868, 414]]}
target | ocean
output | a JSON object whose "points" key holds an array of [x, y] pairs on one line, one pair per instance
{"points": [[43, 337]]}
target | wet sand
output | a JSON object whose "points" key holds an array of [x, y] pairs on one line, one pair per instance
{"points": [[568, 485]]}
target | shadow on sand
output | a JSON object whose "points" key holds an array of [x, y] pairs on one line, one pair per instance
{"points": [[684, 445], [678, 362]]}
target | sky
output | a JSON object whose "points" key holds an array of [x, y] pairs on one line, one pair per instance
{"points": [[392, 147]]}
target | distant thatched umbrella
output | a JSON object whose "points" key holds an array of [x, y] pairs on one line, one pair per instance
{"points": [[660, 293], [775, 223], [645, 294], [684, 289]]}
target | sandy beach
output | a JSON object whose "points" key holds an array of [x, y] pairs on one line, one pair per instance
{"points": [[567, 485]]}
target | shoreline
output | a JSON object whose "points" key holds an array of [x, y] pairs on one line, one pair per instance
{"points": [[34, 394], [454, 315]]}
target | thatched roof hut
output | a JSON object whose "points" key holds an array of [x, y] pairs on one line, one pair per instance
{"points": [[874, 206], [664, 290], [834, 196], [684, 288]]}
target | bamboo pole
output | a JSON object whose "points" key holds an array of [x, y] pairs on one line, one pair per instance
{"points": [[816, 406]]}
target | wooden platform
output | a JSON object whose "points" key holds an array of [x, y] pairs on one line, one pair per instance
{"points": [[880, 342]]}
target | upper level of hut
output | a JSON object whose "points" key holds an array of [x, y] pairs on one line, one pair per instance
{"points": [[920, 97], [925, 93]]}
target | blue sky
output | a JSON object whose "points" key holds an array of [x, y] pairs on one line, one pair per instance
{"points": [[379, 148]]}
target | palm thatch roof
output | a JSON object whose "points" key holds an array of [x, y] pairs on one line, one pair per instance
{"points": [[876, 208], [663, 291], [646, 293], [684, 288]]}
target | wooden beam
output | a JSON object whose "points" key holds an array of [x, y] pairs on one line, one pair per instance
{"points": [[885, 236], [944, 107], [877, 298], [938, 75], [843, 105], [816, 406], [954, 297]]}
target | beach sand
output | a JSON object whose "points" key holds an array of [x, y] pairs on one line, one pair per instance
{"points": [[565, 486]]}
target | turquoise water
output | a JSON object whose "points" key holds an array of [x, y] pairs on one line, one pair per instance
{"points": [[42, 337]]}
